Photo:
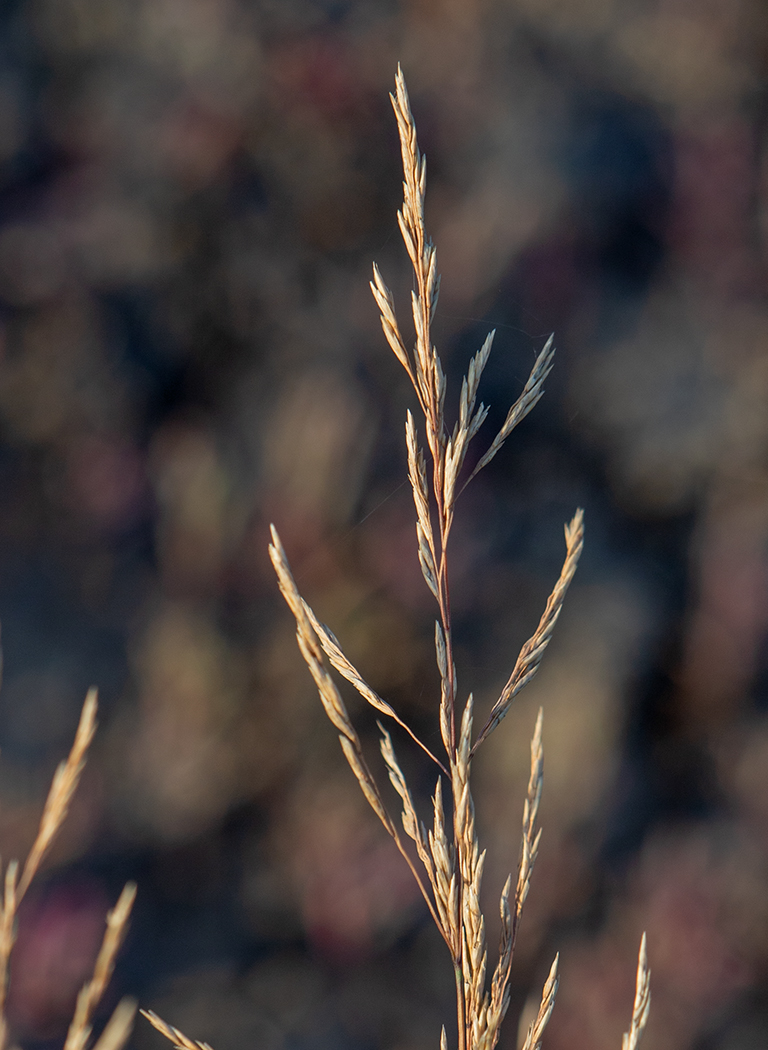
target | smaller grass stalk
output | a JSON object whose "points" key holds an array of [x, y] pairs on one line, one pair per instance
{"points": [[91, 992], [63, 787]]}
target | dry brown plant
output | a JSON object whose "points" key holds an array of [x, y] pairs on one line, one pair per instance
{"points": [[64, 784], [448, 866]]}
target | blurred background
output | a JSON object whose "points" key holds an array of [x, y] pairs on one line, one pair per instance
{"points": [[191, 196]]}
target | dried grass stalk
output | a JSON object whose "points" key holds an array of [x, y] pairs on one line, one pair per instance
{"points": [[454, 869], [449, 852], [64, 784]]}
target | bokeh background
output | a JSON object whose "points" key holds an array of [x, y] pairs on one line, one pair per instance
{"points": [[191, 195]]}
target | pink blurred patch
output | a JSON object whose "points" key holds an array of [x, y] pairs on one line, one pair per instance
{"points": [[60, 932], [197, 141], [106, 481], [355, 889], [687, 894], [352, 896], [319, 73], [690, 900]]}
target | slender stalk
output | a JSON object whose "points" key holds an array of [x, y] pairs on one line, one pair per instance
{"points": [[445, 618], [460, 1016]]}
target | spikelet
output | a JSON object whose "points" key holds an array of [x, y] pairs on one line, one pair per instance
{"points": [[642, 1007], [527, 663], [174, 1035]]}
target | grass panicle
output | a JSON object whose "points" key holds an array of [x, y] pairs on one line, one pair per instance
{"points": [[449, 853], [450, 861]]}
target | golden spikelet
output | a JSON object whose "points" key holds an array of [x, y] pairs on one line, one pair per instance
{"points": [[642, 1005]]}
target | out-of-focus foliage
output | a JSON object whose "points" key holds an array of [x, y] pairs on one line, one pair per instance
{"points": [[191, 193]]}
